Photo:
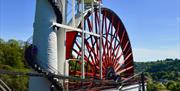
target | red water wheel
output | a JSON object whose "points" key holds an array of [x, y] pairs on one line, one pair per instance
{"points": [[117, 54]]}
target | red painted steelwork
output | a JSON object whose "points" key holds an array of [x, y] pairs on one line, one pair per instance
{"points": [[116, 47]]}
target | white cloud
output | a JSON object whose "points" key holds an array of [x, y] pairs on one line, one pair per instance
{"points": [[144, 54]]}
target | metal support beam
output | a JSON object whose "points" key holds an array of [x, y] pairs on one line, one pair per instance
{"points": [[100, 32], [61, 43], [73, 13], [82, 47], [92, 15], [70, 29], [142, 81]]}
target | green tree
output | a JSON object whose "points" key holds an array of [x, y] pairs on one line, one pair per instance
{"points": [[160, 87], [150, 86], [11, 58], [11, 54], [173, 86]]}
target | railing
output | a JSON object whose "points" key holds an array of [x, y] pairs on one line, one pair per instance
{"points": [[134, 81], [3, 86], [101, 84]]}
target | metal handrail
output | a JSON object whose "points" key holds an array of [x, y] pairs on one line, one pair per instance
{"points": [[141, 80], [4, 86], [58, 76]]}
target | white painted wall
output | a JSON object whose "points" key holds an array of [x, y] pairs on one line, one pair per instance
{"points": [[45, 38]]}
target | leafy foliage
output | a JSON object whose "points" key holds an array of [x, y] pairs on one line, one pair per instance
{"points": [[12, 58], [162, 74]]}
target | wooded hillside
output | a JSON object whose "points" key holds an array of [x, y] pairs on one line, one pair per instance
{"points": [[162, 74], [12, 58]]}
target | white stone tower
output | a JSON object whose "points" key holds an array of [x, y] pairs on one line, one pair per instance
{"points": [[45, 39]]}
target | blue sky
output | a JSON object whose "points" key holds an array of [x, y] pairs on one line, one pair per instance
{"points": [[153, 25]]}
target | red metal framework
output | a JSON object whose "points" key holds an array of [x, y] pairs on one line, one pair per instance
{"points": [[116, 47]]}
